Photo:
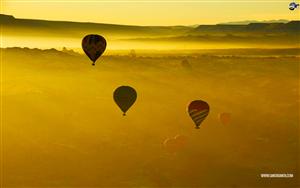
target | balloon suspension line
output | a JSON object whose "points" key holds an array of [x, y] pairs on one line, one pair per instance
{"points": [[94, 63]]}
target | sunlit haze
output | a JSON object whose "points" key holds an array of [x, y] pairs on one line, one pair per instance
{"points": [[149, 12]]}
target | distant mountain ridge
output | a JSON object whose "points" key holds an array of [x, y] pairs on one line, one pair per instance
{"points": [[57, 34], [263, 28], [14, 26], [246, 22], [80, 28]]}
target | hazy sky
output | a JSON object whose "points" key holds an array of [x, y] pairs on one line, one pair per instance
{"points": [[147, 12]]}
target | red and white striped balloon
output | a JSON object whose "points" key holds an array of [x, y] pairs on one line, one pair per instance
{"points": [[198, 110]]}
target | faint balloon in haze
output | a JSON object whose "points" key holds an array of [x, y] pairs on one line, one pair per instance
{"points": [[93, 46], [181, 140], [173, 145], [124, 97], [170, 145], [186, 64], [198, 111], [225, 118], [132, 53]]}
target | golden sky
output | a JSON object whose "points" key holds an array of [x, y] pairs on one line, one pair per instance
{"points": [[147, 12]]}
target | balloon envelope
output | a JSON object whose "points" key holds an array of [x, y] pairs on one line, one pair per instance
{"points": [[171, 145], [93, 46], [181, 140], [125, 96], [225, 118], [175, 144], [198, 111]]}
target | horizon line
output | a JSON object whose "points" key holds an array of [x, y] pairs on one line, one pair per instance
{"points": [[191, 25]]}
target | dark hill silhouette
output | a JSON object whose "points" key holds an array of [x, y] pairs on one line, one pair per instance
{"points": [[6, 19], [251, 35], [14, 26], [246, 22], [292, 27], [75, 29]]}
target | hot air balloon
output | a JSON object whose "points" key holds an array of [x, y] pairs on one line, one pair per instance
{"points": [[185, 64], [181, 140], [175, 144], [225, 118], [125, 96], [171, 145], [93, 46], [198, 110]]}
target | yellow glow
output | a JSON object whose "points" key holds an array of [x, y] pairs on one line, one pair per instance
{"points": [[150, 12]]}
